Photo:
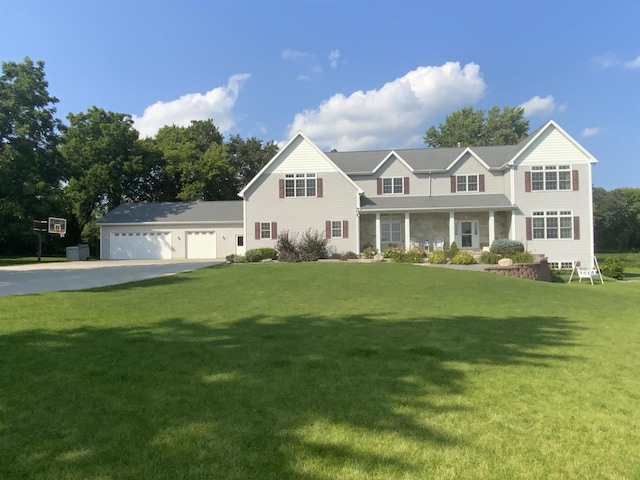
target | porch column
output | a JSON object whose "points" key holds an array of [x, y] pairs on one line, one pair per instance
{"points": [[378, 229], [358, 232], [407, 231], [512, 226], [492, 227], [452, 229]]}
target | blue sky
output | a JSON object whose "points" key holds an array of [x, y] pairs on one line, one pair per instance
{"points": [[350, 74]]}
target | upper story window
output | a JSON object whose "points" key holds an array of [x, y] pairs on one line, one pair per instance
{"points": [[467, 183], [551, 177], [300, 185], [392, 185]]}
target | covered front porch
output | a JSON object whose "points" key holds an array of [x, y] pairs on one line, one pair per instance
{"points": [[471, 230]]}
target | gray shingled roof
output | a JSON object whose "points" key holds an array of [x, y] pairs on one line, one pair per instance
{"points": [[175, 212], [441, 202], [424, 159]]}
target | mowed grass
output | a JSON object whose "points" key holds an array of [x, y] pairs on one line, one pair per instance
{"points": [[322, 371]]}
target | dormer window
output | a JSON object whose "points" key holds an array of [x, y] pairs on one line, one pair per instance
{"points": [[467, 183], [393, 185]]}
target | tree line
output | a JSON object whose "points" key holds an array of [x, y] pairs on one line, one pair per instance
{"points": [[83, 169]]}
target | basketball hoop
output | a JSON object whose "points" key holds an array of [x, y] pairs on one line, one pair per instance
{"points": [[57, 226]]}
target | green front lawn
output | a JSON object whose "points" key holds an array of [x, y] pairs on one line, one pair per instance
{"points": [[322, 371], [631, 263]]}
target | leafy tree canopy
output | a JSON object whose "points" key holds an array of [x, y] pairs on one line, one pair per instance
{"points": [[470, 127]]}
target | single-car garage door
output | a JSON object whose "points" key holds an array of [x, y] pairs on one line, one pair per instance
{"points": [[201, 244], [140, 245]]}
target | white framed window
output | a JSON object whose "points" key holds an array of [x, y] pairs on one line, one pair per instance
{"points": [[392, 185], [551, 177], [300, 185], [336, 229], [391, 229], [466, 183], [552, 224], [265, 230]]}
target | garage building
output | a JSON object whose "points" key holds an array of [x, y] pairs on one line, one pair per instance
{"points": [[172, 230]]}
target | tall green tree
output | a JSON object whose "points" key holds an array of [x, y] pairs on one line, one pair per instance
{"points": [[613, 220], [249, 156], [469, 127], [31, 169], [105, 168]]}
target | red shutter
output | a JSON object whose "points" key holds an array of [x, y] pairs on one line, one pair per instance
{"points": [[453, 184], [481, 183], [319, 191], [379, 186], [257, 230], [281, 187], [345, 229], [575, 177], [529, 229], [327, 229], [274, 230], [527, 181], [576, 228], [406, 185]]}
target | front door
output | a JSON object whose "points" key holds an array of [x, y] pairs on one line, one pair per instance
{"points": [[467, 234]]}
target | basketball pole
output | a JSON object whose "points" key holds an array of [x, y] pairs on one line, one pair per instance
{"points": [[39, 246]]}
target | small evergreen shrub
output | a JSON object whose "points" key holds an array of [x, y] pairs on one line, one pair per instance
{"points": [[369, 253], [312, 246], [613, 267], [259, 254], [348, 256], [336, 256], [490, 258], [503, 246], [286, 247], [233, 258], [453, 250], [521, 257], [463, 258], [438, 257]]}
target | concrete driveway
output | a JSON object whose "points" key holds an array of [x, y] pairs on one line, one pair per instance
{"points": [[58, 276]]}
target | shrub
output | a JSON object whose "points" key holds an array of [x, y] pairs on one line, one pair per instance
{"points": [[259, 254], [349, 256], [453, 250], [521, 257], [505, 245], [369, 252], [336, 256], [393, 253], [312, 246], [286, 247], [490, 258], [463, 258], [437, 257], [412, 256], [613, 267], [233, 258]]}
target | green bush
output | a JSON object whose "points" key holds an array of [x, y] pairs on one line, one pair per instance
{"points": [[438, 257], [369, 252], [348, 256], [490, 258], [613, 267], [505, 245], [453, 250], [393, 253], [520, 257], [259, 254], [463, 258], [287, 247], [233, 258], [312, 246], [412, 256]]}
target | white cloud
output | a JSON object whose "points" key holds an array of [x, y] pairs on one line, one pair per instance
{"points": [[393, 115], [289, 54], [541, 106], [333, 58], [216, 104], [590, 132], [606, 60], [633, 63], [303, 78]]}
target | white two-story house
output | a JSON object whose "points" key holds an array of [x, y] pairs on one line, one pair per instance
{"points": [[538, 192]]}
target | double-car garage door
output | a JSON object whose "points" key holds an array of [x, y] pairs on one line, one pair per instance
{"points": [[158, 245]]}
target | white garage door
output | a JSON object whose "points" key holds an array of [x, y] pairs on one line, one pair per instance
{"points": [[140, 245], [201, 244]]}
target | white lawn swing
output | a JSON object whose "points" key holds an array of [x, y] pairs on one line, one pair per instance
{"points": [[586, 272]]}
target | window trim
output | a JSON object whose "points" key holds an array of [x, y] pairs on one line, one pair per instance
{"points": [[338, 228], [263, 231], [544, 222], [546, 178], [293, 189], [396, 183], [466, 183]]}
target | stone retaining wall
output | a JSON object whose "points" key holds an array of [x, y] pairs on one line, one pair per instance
{"points": [[531, 271]]}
